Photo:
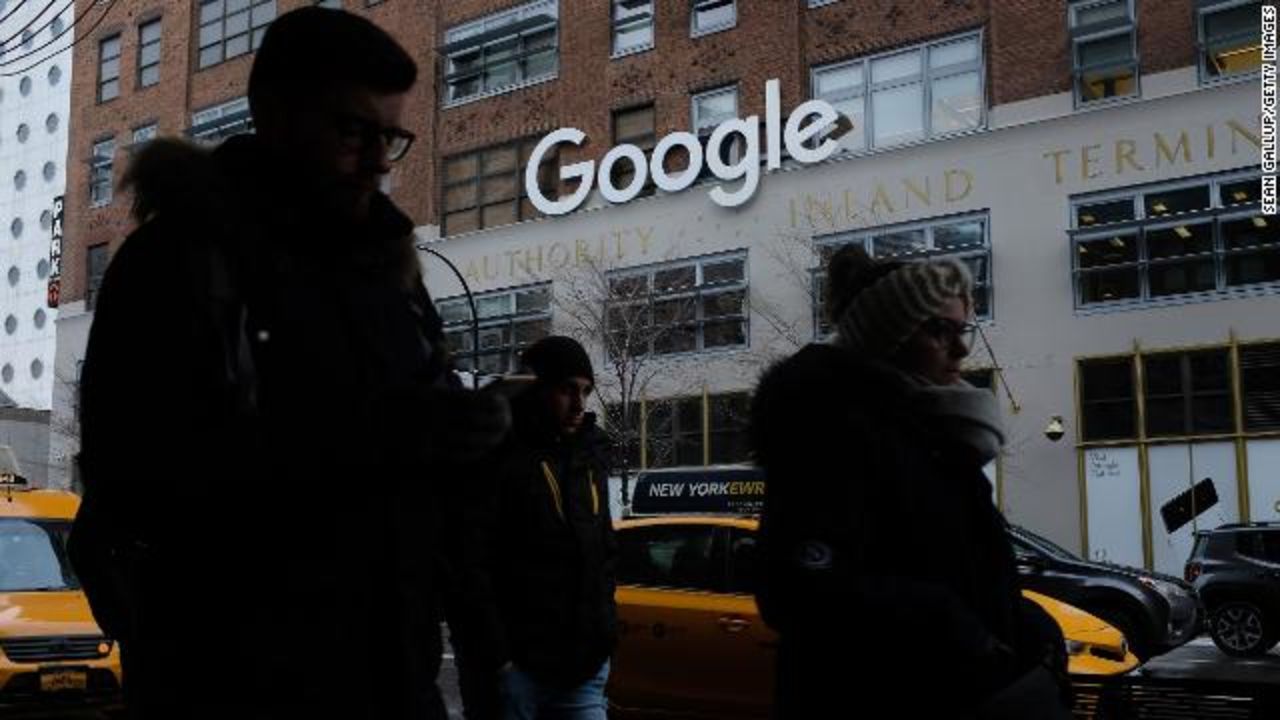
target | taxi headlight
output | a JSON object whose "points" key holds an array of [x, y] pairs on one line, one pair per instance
{"points": [[1075, 647]]}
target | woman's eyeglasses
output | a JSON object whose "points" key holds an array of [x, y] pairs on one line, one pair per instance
{"points": [[947, 331], [357, 134]]}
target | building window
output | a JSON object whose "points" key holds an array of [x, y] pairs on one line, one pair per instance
{"points": [[695, 430], [149, 53], [634, 126], [1199, 238], [632, 26], [1260, 386], [144, 134], [1107, 399], [820, 3], [965, 239], [212, 125], [1188, 393], [485, 188], [96, 267], [1104, 49], [510, 321], [501, 52], [710, 16], [711, 108], [330, 4], [927, 91], [100, 173], [685, 306], [109, 68], [1230, 39], [230, 28]]}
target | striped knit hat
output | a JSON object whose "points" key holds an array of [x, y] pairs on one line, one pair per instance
{"points": [[880, 305]]}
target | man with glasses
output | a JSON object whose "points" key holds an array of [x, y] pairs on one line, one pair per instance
{"points": [[269, 415]]}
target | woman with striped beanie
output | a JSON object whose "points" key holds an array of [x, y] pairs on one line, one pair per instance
{"points": [[885, 565]]}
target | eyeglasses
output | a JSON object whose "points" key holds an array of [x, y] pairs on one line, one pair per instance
{"points": [[947, 331], [357, 134]]}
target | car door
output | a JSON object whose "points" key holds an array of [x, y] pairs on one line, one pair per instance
{"points": [[671, 601], [747, 680]]}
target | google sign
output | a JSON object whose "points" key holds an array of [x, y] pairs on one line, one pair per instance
{"points": [[808, 121]]}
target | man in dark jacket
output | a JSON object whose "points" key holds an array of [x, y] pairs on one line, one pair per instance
{"points": [[540, 552], [266, 405]]}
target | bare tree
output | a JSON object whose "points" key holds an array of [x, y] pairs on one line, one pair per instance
{"points": [[634, 323]]}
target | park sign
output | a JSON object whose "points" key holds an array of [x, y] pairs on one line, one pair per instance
{"points": [[808, 122]]}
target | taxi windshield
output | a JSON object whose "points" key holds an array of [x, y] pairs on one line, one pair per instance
{"points": [[33, 556]]}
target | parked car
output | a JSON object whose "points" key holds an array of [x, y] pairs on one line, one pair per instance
{"points": [[1236, 570], [52, 654], [692, 644], [1155, 612]]}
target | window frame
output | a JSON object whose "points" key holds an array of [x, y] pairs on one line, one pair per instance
{"points": [[1186, 394], [696, 293], [522, 148], [508, 321], [1203, 9], [1083, 34], [833, 241], [103, 61], [102, 172], [1215, 214], [735, 148], [614, 24], [253, 31], [646, 142], [925, 77], [143, 45], [696, 32], [473, 36]]}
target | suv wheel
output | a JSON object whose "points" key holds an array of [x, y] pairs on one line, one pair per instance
{"points": [[1239, 628]]}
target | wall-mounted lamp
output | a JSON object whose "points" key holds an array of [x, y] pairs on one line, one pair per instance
{"points": [[1055, 430]]}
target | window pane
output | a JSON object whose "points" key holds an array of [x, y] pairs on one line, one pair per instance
{"points": [[724, 333], [1114, 49], [1256, 267], [1233, 21], [540, 40], [501, 214], [210, 56], [898, 115], [1209, 371], [855, 110], [1100, 12], [634, 123], [538, 300], [461, 222], [540, 64], [1260, 386], [460, 168], [1109, 285], [1182, 277], [1180, 240], [1212, 414], [210, 10], [719, 272], [672, 279], [953, 53], [633, 36], [1241, 191], [1176, 201], [500, 75], [709, 14], [237, 24], [1107, 83], [837, 81], [957, 102], [1107, 251], [895, 67], [668, 556], [712, 109], [237, 46], [1250, 232], [899, 243], [676, 339], [460, 197], [499, 187], [1110, 379], [263, 13], [1232, 57], [723, 304], [150, 76], [1104, 212], [150, 54], [1166, 416]]}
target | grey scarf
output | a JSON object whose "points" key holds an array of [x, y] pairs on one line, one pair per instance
{"points": [[965, 412]]}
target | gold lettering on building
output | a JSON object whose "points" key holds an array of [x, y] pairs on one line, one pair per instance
{"points": [[1125, 150], [881, 200], [1088, 161], [1057, 156], [877, 204], [520, 265], [912, 189], [1237, 131], [1164, 151], [954, 195]]}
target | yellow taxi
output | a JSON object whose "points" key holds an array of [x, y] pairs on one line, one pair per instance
{"points": [[691, 641], [51, 651]]}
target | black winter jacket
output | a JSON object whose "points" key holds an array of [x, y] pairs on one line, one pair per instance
{"points": [[886, 569], [539, 556], [256, 399]]}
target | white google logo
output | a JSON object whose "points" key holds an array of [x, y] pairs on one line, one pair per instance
{"points": [[806, 122]]}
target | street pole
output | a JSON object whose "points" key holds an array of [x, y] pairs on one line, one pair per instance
{"points": [[475, 317]]}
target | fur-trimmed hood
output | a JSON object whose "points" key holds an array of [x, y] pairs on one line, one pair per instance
{"points": [[236, 186]]}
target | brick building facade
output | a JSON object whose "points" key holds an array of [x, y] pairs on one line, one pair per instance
{"points": [[1094, 161]]}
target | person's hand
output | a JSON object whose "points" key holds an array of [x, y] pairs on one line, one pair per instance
{"points": [[467, 424]]}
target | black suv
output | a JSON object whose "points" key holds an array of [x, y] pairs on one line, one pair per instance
{"points": [[1155, 612], [1236, 570]]}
